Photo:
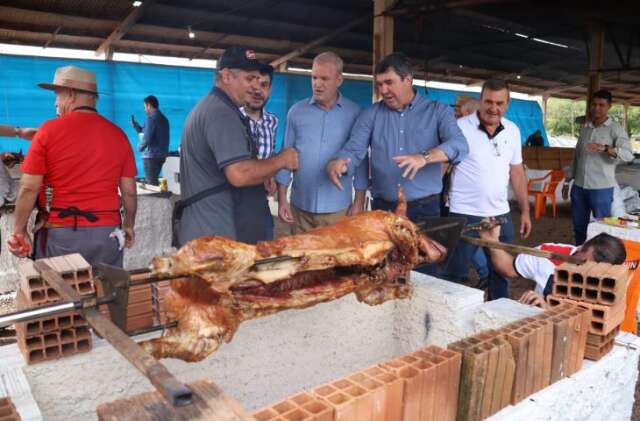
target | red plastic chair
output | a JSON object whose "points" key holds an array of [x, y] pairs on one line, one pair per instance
{"points": [[549, 190]]}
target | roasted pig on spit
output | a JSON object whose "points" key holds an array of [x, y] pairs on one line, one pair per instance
{"points": [[370, 254]]}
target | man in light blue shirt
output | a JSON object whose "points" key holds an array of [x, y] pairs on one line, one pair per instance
{"points": [[409, 136], [317, 128]]}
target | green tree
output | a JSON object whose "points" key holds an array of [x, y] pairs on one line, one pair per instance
{"points": [[561, 115]]}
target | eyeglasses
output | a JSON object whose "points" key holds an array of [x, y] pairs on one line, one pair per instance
{"points": [[494, 142]]}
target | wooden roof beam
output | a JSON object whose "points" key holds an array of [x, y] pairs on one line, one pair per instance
{"points": [[53, 37], [122, 28], [319, 41]]}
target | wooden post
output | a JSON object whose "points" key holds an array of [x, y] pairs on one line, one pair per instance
{"points": [[545, 99], [596, 54], [626, 117], [382, 34]]}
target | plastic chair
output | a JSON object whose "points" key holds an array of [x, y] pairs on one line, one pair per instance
{"points": [[554, 178]]}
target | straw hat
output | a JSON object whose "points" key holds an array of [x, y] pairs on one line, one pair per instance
{"points": [[73, 77]]}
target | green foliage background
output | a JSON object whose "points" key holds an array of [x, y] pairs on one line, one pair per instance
{"points": [[561, 114]]}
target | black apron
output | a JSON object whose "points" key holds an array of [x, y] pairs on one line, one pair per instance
{"points": [[248, 202]]}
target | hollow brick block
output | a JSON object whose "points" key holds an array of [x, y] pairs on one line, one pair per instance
{"points": [[594, 340], [604, 319], [394, 390], [594, 353]]}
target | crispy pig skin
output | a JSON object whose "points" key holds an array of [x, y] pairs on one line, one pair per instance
{"points": [[369, 254]]}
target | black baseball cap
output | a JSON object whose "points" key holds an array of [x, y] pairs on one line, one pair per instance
{"points": [[239, 58]]}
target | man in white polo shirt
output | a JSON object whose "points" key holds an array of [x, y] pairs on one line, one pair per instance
{"points": [[480, 183]]}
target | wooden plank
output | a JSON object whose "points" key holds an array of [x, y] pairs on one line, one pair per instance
{"points": [[383, 26], [516, 249], [209, 403], [596, 57]]}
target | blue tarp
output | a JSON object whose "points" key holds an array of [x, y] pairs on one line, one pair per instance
{"points": [[123, 86], [526, 114]]}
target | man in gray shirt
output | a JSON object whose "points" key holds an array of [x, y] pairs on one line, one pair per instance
{"points": [[602, 145], [218, 158]]}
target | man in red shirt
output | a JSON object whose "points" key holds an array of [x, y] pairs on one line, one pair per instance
{"points": [[601, 248], [74, 167]]}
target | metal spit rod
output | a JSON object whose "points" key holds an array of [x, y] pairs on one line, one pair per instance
{"points": [[34, 313], [50, 310]]}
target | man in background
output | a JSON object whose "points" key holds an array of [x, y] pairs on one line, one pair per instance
{"points": [[480, 182], [318, 128], [410, 137], [83, 159], [222, 181], [602, 145], [601, 248], [264, 126], [535, 139], [155, 139]]}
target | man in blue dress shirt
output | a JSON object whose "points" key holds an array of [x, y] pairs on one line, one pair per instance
{"points": [[410, 138], [317, 128]]}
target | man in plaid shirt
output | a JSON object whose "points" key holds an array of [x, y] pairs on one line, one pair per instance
{"points": [[263, 129]]}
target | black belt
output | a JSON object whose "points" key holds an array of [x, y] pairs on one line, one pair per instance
{"points": [[414, 203]]}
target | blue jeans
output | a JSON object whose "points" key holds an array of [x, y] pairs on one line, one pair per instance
{"points": [[465, 253], [585, 201], [427, 208], [152, 168]]}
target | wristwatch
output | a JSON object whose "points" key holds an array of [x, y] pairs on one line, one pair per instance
{"points": [[16, 131], [606, 148], [426, 154]]}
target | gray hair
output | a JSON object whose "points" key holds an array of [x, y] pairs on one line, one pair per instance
{"points": [[218, 78], [470, 107], [329, 57]]}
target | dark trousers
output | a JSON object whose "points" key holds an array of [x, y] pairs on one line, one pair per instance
{"points": [[458, 268], [585, 201], [93, 243], [268, 224], [429, 206], [152, 168]]}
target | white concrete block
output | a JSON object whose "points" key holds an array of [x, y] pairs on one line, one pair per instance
{"points": [[497, 313], [153, 238], [267, 360], [439, 312], [276, 356], [8, 262], [14, 384], [153, 231]]}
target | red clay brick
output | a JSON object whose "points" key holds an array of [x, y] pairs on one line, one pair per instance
{"points": [[344, 406], [394, 391], [595, 353]]}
